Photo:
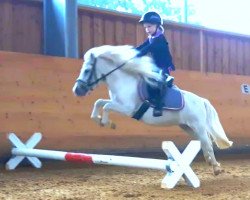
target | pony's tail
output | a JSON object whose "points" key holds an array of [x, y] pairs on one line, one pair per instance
{"points": [[214, 127]]}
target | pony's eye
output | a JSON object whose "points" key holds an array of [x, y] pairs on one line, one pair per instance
{"points": [[87, 71]]}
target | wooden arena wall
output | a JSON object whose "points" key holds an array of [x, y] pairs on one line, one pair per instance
{"points": [[36, 96], [193, 48]]}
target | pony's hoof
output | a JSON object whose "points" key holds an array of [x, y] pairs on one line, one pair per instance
{"points": [[112, 125], [217, 170], [97, 119], [101, 124]]}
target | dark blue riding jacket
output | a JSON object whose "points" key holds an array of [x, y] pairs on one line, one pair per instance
{"points": [[159, 50]]}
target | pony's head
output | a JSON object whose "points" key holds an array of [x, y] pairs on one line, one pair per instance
{"points": [[87, 76], [91, 73], [101, 62]]}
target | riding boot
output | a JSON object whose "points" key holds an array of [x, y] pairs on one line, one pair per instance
{"points": [[158, 108], [169, 80]]}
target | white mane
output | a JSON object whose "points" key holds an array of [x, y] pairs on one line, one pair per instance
{"points": [[122, 54]]}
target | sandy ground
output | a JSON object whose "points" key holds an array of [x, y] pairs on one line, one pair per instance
{"points": [[75, 181]]}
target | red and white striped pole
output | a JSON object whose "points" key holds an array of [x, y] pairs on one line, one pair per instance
{"points": [[98, 159], [176, 166]]}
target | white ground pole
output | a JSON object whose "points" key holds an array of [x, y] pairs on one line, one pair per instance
{"points": [[177, 165]]}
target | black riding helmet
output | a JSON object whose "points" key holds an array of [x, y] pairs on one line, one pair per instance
{"points": [[151, 17]]}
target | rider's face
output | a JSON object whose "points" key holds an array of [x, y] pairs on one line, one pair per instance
{"points": [[150, 28]]}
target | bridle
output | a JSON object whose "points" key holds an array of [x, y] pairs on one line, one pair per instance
{"points": [[93, 73]]}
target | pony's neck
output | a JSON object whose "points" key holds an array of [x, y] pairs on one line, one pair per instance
{"points": [[123, 87]]}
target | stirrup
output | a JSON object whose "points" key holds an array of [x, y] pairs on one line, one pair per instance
{"points": [[157, 112]]}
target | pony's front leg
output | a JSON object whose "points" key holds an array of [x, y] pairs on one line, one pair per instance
{"points": [[95, 115], [115, 107]]}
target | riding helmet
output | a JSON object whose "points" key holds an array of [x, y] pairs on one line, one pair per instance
{"points": [[151, 17]]}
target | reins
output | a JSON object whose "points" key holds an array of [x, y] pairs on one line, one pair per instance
{"points": [[103, 77]]}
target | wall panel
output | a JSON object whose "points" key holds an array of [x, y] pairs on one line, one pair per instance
{"points": [[21, 26], [222, 52]]}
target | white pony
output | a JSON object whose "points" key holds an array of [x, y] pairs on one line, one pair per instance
{"points": [[121, 71]]}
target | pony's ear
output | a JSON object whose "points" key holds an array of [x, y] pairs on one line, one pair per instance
{"points": [[92, 56], [107, 56]]}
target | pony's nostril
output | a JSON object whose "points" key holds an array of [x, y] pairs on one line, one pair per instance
{"points": [[79, 89], [82, 86], [79, 92]]}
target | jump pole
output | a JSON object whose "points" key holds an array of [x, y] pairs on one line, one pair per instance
{"points": [[177, 165]]}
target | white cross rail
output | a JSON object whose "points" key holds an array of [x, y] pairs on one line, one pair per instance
{"points": [[177, 165]]}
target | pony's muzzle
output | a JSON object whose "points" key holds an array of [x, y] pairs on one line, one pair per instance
{"points": [[80, 88]]}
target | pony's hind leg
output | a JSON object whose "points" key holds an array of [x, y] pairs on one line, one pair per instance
{"points": [[206, 145]]}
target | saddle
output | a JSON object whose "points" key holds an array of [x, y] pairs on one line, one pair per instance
{"points": [[172, 98]]}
